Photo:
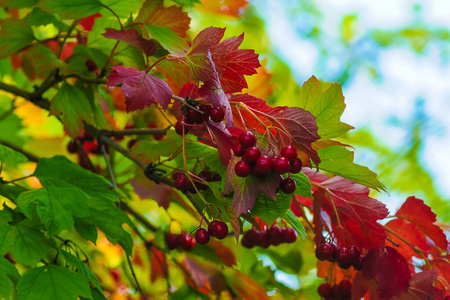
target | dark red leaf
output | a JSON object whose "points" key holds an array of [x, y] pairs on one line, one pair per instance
{"points": [[421, 287], [132, 37], [141, 89], [223, 141], [161, 193], [198, 274], [158, 264]]}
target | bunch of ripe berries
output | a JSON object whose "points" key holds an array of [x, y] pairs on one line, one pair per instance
{"points": [[258, 165], [345, 257], [275, 235], [213, 113], [341, 291]]}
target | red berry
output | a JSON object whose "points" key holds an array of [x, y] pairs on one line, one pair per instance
{"points": [[343, 255], [243, 169], [239, 150], [179, 128], [205, 175], [264, 164], [247, 139], [325, 251], [253, 235], [202, 236], [324, 290], [288, 235], [274, 235], [206, 109], [216, 177], [247, 243], [296, 166], [72, 147], [345, 287], [264, 241], [288, 185], [193, 116], [289, 152], [252, 154], [359, 264], [177, 174], [345, 266], [282, 165], [217, 114], [185, 241], [218, 229], [171, 241], [354, 254], [179, 182]]}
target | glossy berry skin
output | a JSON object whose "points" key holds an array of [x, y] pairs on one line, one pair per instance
{"points": [[247, 139], [177, 174], [289, 152], [343, 256], [239, 150], [72, 147], [217, 114], [179, 128], [193, 116], [288, 185], [296, 166], [202, 236], [325, 251], [264, 164], [205, 175], [253, 235], [345, 287], [324, 290], [274, 235], [358, 265], [354, 254], [171, 241], [185, 241], [206, 109], [264, 241], [218, 229], [288, 235], [180, 182], [246, 243], [282, 165], [242, 168], [252, 154]]}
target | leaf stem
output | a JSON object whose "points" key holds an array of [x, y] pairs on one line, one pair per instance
{"points": [[148, 69], [114, 13]]}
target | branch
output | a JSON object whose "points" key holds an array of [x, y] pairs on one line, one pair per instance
{"points": [[139, 131], [28, 155]]}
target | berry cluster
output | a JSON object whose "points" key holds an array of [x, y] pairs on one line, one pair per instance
{"points": [[254, 163], [345, 257], [264, 238], [213, 113], [341, 291], [216, 228], [89, 144], [182, 240], [182, 182]]}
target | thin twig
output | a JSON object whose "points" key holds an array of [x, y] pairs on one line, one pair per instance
{"points": [[182, 100], [140, 131]]}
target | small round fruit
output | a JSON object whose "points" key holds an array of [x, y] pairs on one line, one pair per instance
{"points": [[264, 164], [202, 236], [288, 185], [185, 241], [239, 150], [246, 243], [171, 241], [343, 255], [358, 265], [243, 169], [247, 139], [354, 253], [296, 166], [253, 235], [72, 147], [216, 177], [217, 114], [252, 154], [282, 165], [264, 241], [345, 287], [179, 128], [289, 152], [288, 235], [275, 235], [325, 251], [179, 182], [193, 116], [177, 174], [206, 109], [324, 290], [218, 229]]}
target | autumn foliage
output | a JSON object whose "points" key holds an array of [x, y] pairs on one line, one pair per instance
{"points": [[160, 135]]}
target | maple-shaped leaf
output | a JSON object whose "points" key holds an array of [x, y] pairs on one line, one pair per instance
{"points": [[390, 269], [422, 287], [353, 214], [231, 63], [141, 89], [132, 37]]}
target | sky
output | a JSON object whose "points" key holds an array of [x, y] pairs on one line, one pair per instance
{"points": [[389, 103]]}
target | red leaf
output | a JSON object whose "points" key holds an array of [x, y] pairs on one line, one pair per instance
{"points": [[390, 269], [418, 213], [421, 287], [223, 142], [198, 274], [161, 193], [132, 37], [443, 266], [154, 13], [158, 264], [141, 89], [88, 22], [243, 286], [409, 232], [225, 253]]}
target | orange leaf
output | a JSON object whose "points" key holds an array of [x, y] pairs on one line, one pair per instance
{"points": [[243, 286], [159, 264]]}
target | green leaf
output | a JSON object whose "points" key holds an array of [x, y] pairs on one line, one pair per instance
{"points": [[339, 161], [208, 154], [188, 3], [122, 8], [71, 10], [96, 55], [11, 128], [15, 35], [52, 282], [19, 3], [11, 156], [81, 268], [86, 228], [327, 106], [8, 278], [295, 223], [303, 187], [38, 17], [56, 206], [5, 216], [187, 292], [150, 151], [25, 243], [286, 258], [74, 107], [171, 41], [269, 210], [10, 191]]}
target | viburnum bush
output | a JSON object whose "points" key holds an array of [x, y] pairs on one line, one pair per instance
{"points": [[152, 111]]}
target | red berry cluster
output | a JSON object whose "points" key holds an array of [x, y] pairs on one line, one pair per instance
{"points": [[215, 113], [254, 163], [90, 145], [182, 182], [341, 291], [274, 236], [182, 240], [345, 257], [216, 228]]}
